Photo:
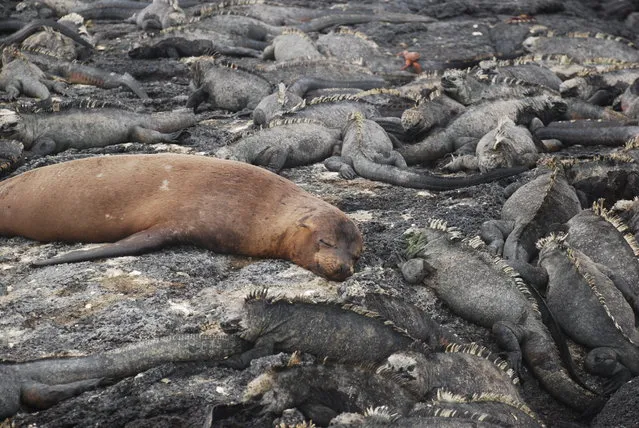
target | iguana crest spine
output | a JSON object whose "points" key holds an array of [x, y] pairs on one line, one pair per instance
{"points": [[294, 31], [558, 241], [599, 209], [305, 62], [219, 7], [294, 121], [446, 396], [350, 32], [483, 352], [534, 59], [591, 35], [381, 414]]}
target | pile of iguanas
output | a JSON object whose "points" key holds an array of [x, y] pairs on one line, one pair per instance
{"points": [[557, 270]]}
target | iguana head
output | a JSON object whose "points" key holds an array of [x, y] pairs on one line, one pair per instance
{"points": [[456, 85], [410, 369]]}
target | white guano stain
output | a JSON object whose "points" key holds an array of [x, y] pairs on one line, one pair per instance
{"points": [[165, 185]]}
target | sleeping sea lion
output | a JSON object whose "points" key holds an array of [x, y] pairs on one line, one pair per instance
{"points": [[140, 203]]}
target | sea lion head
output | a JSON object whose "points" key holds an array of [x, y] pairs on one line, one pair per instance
{"points": [[326, 243]]}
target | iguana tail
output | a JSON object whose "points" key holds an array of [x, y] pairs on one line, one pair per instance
{"points": [[132, 359], [401, 177], [544, 361], [305, 84], [613, 135]]}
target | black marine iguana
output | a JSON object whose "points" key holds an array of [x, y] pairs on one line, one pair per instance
{"points": [[591, 310], [321, 392], [490, 293], [345, 333], [588, 133], [158, 15], [285, 144], [604, 238], [367, 151], [54, 132], [42, 383], [465, 131]]}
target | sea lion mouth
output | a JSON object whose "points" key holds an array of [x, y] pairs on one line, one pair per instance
{"points": [[339, 273]]}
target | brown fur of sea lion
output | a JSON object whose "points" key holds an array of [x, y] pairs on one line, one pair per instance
{"points": [[144, 202]]}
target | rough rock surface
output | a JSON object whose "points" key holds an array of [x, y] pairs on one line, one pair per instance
{"points": [[94, 306]]}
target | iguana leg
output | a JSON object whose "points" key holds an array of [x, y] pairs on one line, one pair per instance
{"points": [[35, 89], [415, 270], [494, 233], [462, 163], [54, 86], [243, 360], [341, 165], [508, 336], [150, 136], [627, 289], [277, 159], [140, 242], [42, 396], [44, 146], [269, 52], [13, 89], [197, 98], [535, 276]]}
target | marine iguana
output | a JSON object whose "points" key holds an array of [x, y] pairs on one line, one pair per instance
{"points": [[434, 111], [591, 310], [226, 86], [288, 100], [529, 214], [506, 146], [367, 151], [600, 87], [54, 132], [605, 239], [630, 100], [19, 76], [159, 14], [291, 44], [468, 87], [76, 73], [490, 293], [461, 369], [58, 44], [534, 73], [42, 383], [285, 144], [588, 133], [463, 133], [345, 333], [321, 392], [628, 210], [583, 46]]}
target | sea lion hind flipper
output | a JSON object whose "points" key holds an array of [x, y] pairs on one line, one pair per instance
{"points": [[138, 243]]}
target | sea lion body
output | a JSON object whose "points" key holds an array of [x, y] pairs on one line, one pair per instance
{"points": [[144, 202]]}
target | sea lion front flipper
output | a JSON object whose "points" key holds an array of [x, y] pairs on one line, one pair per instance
{"points": [[138, 243]]}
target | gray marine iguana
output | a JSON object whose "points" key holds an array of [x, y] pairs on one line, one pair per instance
{"points": [[291, 44], [591, 310], [285, 144], [158, 15], [463, 133], [490, 293], [605, 238], [529, 214], [19, 76], [345, 333], [54, 132], [435, 111], [506, 146], [589, 133], [582, 46], [461, 369], [42, 383], [367, 151], [58, 44]]}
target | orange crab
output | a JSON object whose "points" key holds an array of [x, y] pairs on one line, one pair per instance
{"points": [[521, 19], [411, 60]]}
